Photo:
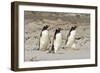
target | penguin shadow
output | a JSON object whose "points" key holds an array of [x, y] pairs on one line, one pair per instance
{"points": [[58, 52]]}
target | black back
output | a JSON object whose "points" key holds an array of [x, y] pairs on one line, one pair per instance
{"points": [[56, 32], [72, 28]]}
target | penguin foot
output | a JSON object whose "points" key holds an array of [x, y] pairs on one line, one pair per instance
{"points": [[63, 47], [53, 52], [38, 49], [49, 51]]}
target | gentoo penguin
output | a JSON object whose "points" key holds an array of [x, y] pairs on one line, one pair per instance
{"points": [[44, 38], [70, 42], [57, 41]]}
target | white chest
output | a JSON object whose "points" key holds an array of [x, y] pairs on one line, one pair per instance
{"points": [[59, 37], [44, 35], [71, 38], [72, 35], [58, 40]]}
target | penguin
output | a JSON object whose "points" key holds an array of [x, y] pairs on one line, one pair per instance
{"points": [[57, 41], [44, 38], [70, 42]]}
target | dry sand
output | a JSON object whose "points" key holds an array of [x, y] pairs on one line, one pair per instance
{"points": [[34, 22]]}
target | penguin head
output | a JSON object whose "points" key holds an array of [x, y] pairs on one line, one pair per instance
{"points": [[58, 30], [73, 27], [45, 27]]}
